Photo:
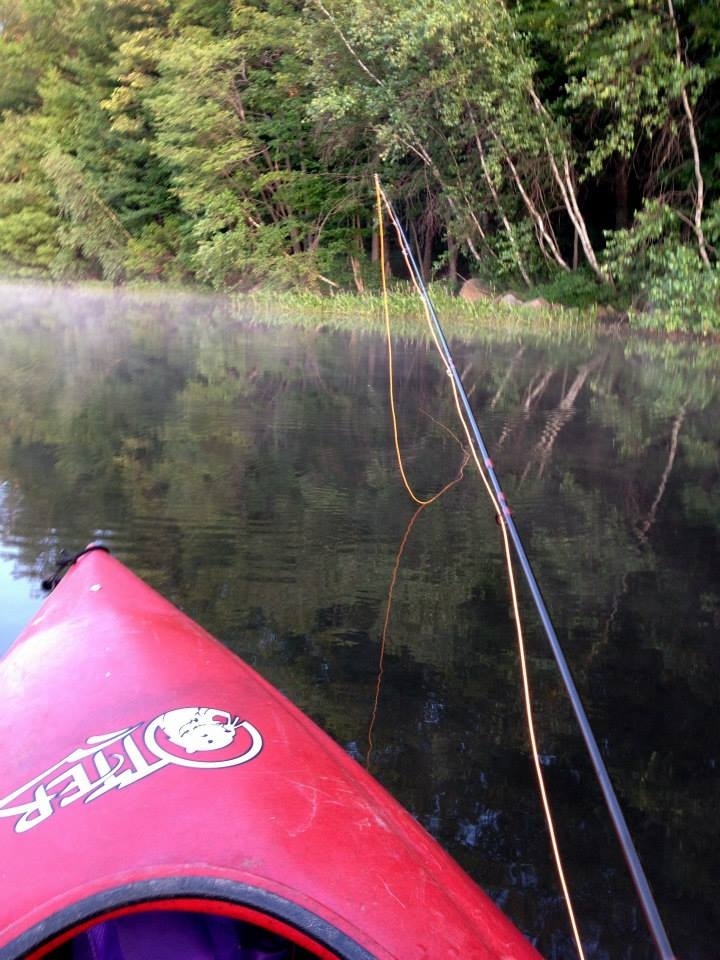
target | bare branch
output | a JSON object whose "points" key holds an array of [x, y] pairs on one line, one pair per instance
{"points": [[353, 52], [699, 182], [564, 181], [545, 239], [505, 222]]}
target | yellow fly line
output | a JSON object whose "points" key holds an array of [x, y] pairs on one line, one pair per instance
{"points": [[382, 203], [391, 385], [393, 580]]}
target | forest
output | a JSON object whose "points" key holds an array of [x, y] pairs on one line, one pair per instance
{"points": [[564, 147]]}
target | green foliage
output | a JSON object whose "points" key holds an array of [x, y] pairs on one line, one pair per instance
{"points": [[28, 42], [629, 253], [155, 253], [234, 142], [28, 243], [91, 226], [676, 290], [579, 289], [427, 85], [501, 268], [28, 211], [624, 68], [682, 293]]}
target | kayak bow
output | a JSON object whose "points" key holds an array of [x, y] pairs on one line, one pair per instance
{"points": [[146, 767]]}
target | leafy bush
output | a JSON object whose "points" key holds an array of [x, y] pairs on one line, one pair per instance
{"points": [[682, 294], [665, 274], [28, 243], [629, 253], [579, 289]]}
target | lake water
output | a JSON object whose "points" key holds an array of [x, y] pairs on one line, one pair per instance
{"points": [[247, 471]]}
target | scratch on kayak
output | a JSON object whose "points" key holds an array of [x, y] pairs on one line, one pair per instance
{"points": [[339, 788], [311, 795], [393, 895], [316, 797]]}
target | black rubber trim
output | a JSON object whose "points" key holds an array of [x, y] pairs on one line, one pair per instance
{"points": [[201, 888], [65, 561]]}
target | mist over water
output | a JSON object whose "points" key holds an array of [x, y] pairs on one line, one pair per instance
{"points": [[246, 470]]}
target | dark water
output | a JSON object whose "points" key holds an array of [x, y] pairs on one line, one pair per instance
{"points": [[248, 473]]}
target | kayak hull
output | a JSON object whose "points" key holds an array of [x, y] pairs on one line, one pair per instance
{"points": [[146, 765]]}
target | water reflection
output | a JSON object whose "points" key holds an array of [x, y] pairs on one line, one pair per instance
{"points": [[247, 472]]}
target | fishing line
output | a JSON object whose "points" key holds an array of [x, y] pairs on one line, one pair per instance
{"points": [[545, 800], [391, 385], [421, 504], [508, 528], [391, 589]]}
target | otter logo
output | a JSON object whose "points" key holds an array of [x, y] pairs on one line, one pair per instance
{"points": [[199, 728], [197, 737]]}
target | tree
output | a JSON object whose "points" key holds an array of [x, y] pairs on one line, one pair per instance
{"points": [[235, 142], [28, 210]]}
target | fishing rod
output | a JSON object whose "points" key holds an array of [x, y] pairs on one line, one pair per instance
{"points": [[642, 887]]}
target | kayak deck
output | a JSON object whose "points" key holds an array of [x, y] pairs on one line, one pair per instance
{"points": [[147, 766]]}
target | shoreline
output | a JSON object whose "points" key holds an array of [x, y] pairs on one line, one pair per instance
{"points": [[364, 312]]}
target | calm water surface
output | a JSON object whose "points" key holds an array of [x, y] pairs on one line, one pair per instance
{"points": [[246, 470]]}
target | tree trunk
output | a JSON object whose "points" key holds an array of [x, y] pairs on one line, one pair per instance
{"points": [[543, 231], [503, 219], [357, 258], [699, 182], [564, 177], [357, 274]]}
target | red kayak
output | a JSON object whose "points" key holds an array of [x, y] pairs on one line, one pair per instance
{"points": [[160, 800]]}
